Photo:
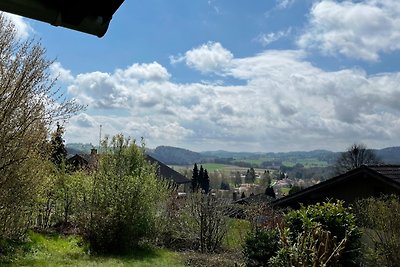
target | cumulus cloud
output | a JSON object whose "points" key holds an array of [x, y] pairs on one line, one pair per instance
{"points": [[286, 103], [23, 29], [60, 73], [209, 57], [355, 29]]}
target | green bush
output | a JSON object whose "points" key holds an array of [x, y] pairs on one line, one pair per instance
{"points": [[380, 219], [126, 196], [260, 246], [332, 217], [317, 235]]}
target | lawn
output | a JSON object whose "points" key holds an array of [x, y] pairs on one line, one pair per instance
{"points": [[57, 250]]}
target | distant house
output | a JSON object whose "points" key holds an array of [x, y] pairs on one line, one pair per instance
{"points": [[165, 172], [362, 182], [86, 162], [90, 161]]}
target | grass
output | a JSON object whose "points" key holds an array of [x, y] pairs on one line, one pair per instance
{"points": [[58, 250], [237, 233]]}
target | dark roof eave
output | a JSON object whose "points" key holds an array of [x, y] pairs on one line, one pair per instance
{"points": [[334, 180], [92, 17]]}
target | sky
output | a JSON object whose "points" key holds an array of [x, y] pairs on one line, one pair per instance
{"points": [[236, 75]]}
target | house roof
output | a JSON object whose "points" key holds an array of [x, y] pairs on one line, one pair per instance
{"points": [[387, 174], [167, 172], [88, 16]]}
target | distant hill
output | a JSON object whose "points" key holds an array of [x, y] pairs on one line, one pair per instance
{"points": [[175, 156], [78, 148], [389, 155], [180, 156]]}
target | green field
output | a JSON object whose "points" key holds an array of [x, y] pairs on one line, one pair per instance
{"points": [[307, 163]]}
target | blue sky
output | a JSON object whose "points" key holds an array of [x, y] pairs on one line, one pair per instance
{"points": [[276, 75]]}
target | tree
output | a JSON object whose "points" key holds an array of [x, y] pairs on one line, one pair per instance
{"points": [[195, 178], [269, 191], [238, 179], [126, 198], [28, 105], [206, 182], [58, 151], [355, 156], [250, 176], [265, 179]]}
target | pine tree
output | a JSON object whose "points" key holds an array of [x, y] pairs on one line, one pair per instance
{"points": [[195, 178], [58, 151], [201, 177], [206, 182]]}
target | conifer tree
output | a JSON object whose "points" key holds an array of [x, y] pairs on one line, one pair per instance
{"points": [[201, 177], [206, 182], [195, 178], [58, 151]]}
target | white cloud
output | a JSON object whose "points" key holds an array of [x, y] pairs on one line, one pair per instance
{"points": [[60, 73], [283, 4], [210, 57], [286, 103], [23, 29], [267, 38], [355, 29]]}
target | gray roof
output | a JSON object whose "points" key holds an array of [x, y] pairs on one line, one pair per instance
{"points": [[167, 172], [388, 174]]}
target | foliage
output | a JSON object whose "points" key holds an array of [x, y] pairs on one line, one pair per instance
{"points": [[198, 222], [311, 247], [58, 151], [200, 179], [224, 186], [380, 217], [28, 106], [66, 199], [209, 219], [355, 156], [125, 200], [195, 178], [250, 176], [317, 235], [261, 245], [331, 217]]}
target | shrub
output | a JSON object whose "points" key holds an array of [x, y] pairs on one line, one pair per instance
{"points": [[311, 247], [317, 235], [261, 245], [126, 195], [330, 217], [380, 217]]}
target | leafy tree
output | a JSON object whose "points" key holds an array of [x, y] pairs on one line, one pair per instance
{"points": [[225, 186], [355, 156], [195, 178], [248, 179], [28, 106], [265, 179], [381, 219], [238, 179], [126, 197]]}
